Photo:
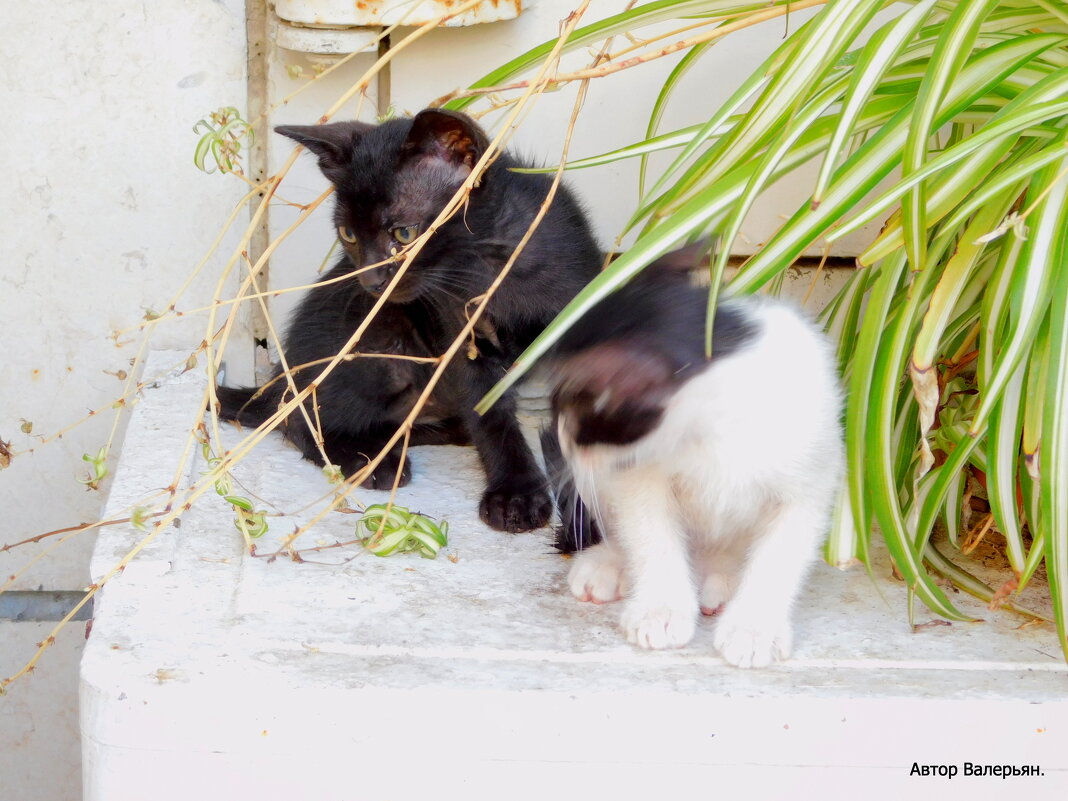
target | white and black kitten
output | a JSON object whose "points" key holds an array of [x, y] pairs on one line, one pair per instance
{"points": [[712, 480], [391, 181]]}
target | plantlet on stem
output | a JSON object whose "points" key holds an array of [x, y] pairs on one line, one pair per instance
{"points": [[251, 522], [395, 529], [224, 130], [98, 468]]}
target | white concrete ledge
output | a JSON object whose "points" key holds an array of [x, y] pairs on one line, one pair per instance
{"points": [[213, 674]]}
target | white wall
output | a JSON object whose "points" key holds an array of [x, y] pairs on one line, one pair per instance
{"points": [[103, 214]]}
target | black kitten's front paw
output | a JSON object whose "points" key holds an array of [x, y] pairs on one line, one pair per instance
{"points": [[512, 509], [385, 474]]}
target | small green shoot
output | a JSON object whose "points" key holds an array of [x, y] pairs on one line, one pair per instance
{"points": [[223, 133], [248, 520], [390, 530], [138, 517], [333, 474], [98, 468]]}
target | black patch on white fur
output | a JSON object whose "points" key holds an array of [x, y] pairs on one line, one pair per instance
{"points": [[615, 370]]}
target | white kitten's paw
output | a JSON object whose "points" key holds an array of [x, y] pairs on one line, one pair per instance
{"points": [[747, 645], [657, 627], [716, 590], [596, 575]]}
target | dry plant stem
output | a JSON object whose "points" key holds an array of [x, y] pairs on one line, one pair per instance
{"points": [[270, 192], [93, 588], [124, 401], [975, 536], [79, 528], [223, 336], [130, 388], [258, 187], [210, 336], [170, 307], [348, 357], [271, 293], [314, 427], [168, 516], [818, 273], [536, 87], [396, 480], [638, 44], [286, 372], [293, 552], [241, 249], [68, 533], [608, 69], [326, 259]]}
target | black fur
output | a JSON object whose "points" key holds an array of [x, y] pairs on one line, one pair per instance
{"points": [[578, 529], [615, 370], [396, 176]]}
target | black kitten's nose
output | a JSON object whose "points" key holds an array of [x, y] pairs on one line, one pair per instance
{"points": [[376, 280]]}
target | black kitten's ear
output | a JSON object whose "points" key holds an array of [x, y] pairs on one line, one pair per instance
{"points": [[446, 135], [332, 142]]}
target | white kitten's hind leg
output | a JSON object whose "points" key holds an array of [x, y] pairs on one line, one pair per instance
{"points": [[718, 574], [754, 630], [597, 574]]}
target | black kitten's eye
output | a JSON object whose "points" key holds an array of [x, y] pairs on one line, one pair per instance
{"points": [[405, 234], [346, 234]]}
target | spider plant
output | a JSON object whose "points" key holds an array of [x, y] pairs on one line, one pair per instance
{"points": [[953, 331]]}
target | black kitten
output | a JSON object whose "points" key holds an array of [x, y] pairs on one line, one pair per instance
{"points": [[391, 182]]}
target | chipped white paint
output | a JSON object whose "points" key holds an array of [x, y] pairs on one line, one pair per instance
{"points": [[326, 41], [211, 669], [339, 13]]}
